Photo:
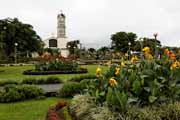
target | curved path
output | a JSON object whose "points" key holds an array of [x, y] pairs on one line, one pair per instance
{"points": [[50, 87]]}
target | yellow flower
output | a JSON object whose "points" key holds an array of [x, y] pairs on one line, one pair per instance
{"points": [[146, 49], [148, 56], [118, 54], [175, 65], [108, 63], [134, 59], [98, 72], [126, 55], [117, 72], [147, 53], [112, 82], [123, 64]]}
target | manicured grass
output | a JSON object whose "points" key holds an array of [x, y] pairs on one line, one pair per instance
{"points": [[27, 110], [31, 109], [15, 72]]}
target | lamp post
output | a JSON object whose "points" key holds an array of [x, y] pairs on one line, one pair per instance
{"points": [[141, 43], [74, 51], [15, 52], [155, 37], [129, 44]]}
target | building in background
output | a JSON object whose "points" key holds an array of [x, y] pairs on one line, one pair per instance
{"points": [[59, 41]]}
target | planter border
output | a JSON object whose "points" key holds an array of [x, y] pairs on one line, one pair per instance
{"points": [[31, 72]]}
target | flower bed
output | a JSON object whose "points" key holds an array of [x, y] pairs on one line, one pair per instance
{"points": [[32, 72], [58, 112], [134, 89], [56, 67]]}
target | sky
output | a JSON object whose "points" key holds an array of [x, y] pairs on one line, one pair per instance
{"points": [[94, 21]]}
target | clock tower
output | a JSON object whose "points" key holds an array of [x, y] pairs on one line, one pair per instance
{"points": [[61, 28], [60, 41]]}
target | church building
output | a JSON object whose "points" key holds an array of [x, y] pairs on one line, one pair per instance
{"points": [[61, 40]]}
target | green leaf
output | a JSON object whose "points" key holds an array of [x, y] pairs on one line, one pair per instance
{"points": [[109, 96], [136, 86], [97, 93], [148, 89], [132, 100], [152, 99]]}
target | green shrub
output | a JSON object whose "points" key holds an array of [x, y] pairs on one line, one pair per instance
{"points": [[5, 82], [49, 80], [70, 89], [163, 112], [84, 107], [82, 77], [53, 79], [13, 93], [56, 66], [30, 81]]}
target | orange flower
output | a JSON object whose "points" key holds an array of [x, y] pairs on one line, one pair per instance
{"points": [[166, 51], [179, 51], [172, 56]]}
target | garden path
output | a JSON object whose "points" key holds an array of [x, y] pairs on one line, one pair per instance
{"points": [[50, 87]]}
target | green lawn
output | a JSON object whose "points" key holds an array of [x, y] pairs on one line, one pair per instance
{"points": [[15, 72], [27, 110], [31, 109]]}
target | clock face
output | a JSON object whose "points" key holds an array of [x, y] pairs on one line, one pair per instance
{"points": [[61, 19]]}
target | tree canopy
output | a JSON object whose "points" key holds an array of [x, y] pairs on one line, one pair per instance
{"points": [[122, 41], [14, 31], [72, 45]]}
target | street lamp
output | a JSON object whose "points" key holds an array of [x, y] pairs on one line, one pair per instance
{"points": [[155, 37], [141, 43], [129, 44], [74, 51], [15, 52]]}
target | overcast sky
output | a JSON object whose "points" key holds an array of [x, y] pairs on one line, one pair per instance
{"points": [[93, 21]]}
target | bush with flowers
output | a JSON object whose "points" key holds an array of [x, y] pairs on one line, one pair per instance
{"points": [[56, 67], [138, 82]]}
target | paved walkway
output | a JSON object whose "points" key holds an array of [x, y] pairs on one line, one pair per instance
{"points": [[50, 87]]}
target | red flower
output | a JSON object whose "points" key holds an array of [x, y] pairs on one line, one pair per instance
{"points": [[60, 105]]}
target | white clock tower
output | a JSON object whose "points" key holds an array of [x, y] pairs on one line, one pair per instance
{"points": [[61, 40]]}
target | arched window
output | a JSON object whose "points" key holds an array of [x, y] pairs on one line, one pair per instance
{"points": [[52, 43]]}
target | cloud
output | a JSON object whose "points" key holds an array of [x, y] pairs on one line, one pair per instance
{"points": [[93, 21]]}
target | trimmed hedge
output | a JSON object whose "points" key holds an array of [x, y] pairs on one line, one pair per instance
{"points": [[5, 82], [70, 89], [14, 93], [49, 80], [82, 77], [31, 72]]}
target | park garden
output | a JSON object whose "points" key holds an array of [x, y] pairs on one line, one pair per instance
{"points": [[129, 88], [132, 79]]}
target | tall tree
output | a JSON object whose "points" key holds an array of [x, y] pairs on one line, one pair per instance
{"points": [[122, 41], [73, 46], [13, 31], [152, 43]]}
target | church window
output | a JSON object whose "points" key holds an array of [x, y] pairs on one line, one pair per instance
{"points": [[52, 43]]}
